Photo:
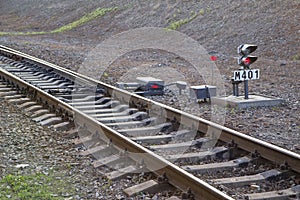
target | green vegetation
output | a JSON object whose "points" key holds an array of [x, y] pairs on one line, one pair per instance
{"points": [[275, 108], [233, 110], [109, 183], [295, 57], [22, 33], [36, 186], [86, 18], [202, 11], [96, 13], [177, 24]]}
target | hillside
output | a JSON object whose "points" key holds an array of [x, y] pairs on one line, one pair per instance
{"points": [[219, 26], [64, 32]]}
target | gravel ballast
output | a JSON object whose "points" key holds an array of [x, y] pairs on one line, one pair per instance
{"points": [[28, 148]]}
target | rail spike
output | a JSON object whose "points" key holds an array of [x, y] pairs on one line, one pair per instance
{"points": [[232, 146], [163, 178], [188, 195], [284, 166]]}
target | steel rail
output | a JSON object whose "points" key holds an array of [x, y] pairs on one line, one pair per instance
{"points": [[158, 165], [266, 150], [269, 151]]}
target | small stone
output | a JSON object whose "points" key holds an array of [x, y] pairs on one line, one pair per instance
{"points": [[119, 197], [255, 187], [21, 166], [297, 146]]}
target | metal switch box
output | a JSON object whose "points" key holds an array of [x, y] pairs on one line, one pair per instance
{"points": [[203, 91]]}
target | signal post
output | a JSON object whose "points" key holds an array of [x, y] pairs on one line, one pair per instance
{"points": [[245, 74]]}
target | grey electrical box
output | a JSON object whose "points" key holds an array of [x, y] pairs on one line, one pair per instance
{"points": [[203, 91], [181, 85]]}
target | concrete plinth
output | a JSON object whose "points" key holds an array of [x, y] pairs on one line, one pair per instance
{"points": [[253, 101]]}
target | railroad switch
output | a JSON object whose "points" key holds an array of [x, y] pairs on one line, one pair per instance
{"points": [[203, 92], [145, 86]]}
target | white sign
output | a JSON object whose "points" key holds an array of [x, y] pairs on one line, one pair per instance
{"points": [[248, 74]]}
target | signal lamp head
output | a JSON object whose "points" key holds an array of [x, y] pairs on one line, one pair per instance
{"points": [[213, 58], [246, 49], [246, 61]]}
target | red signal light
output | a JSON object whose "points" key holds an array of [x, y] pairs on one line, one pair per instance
{"points": [[154, 86], [213, 58], [247, 61]]}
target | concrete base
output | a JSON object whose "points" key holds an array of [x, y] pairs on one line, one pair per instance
{"points": [[253, 101]]}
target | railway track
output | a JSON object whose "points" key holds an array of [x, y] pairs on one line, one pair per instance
{"points": [[128, 134]]}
